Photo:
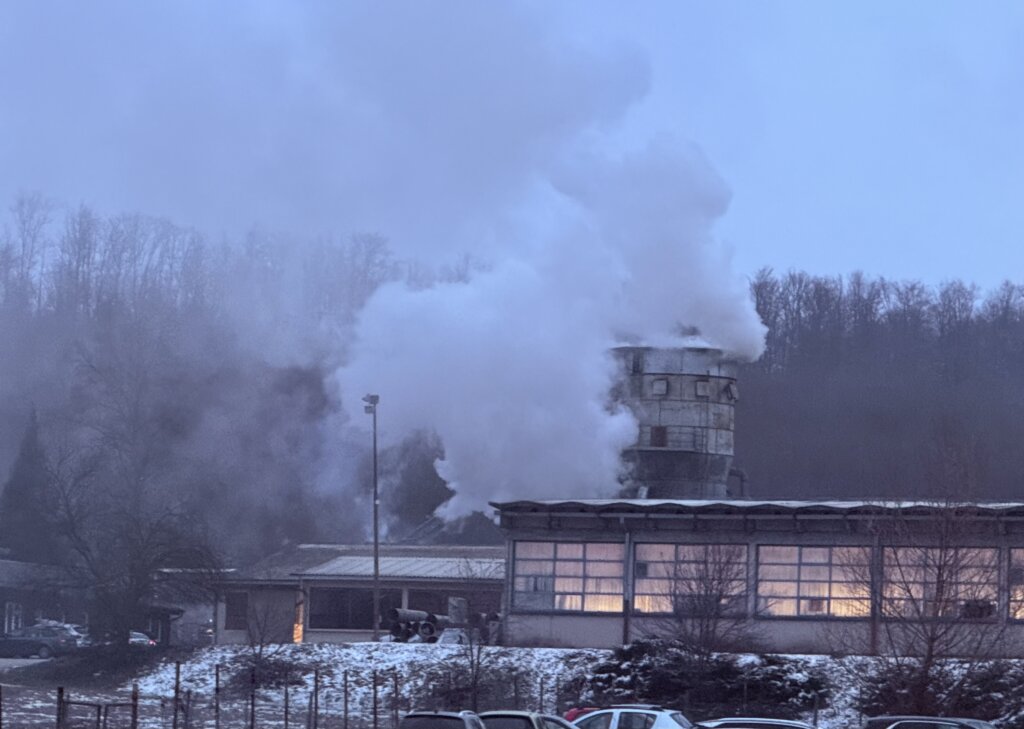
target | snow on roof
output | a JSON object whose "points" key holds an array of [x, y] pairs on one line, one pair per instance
{"points": [[453, 568], [325, 561], [747, 506]]}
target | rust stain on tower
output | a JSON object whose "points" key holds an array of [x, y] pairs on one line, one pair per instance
{"points": [[684, 400]]}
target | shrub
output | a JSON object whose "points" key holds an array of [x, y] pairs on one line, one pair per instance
{"points": [[663, 672]]}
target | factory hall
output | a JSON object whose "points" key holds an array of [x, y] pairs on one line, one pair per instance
{"points": [[683, 552]]}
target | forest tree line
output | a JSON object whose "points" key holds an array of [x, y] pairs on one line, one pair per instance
{"points": [[870, 387], [153, 377]]}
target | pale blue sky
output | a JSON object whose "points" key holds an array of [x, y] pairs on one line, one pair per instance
{"points": [[879, 136]]}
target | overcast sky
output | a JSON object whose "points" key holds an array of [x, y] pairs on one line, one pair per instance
{"points": [[886, 137]]}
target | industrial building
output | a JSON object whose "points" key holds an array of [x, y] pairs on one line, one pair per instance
{"points": [[788, 576], [323, 593], [682, 552]]}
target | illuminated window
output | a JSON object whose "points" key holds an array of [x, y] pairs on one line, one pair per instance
{"points": [[813, 581], [691, 579], [577, 577], [1016, 584], [945, 582]]}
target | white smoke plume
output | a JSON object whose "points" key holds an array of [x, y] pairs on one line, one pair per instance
{"points": [[512, 369], [458, 127]]}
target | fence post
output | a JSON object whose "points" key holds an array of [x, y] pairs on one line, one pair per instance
{"points": [[286, 678], [558, 694], [817, 706], [541, 702], [252, 699], [394, 701], [376, 720], [60, 707], [177, 693], [1, 706], [135, 705], [316, 697], [216, 696], [99, 716], [344, 704]]}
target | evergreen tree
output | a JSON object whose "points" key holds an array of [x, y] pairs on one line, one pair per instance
{"points": [[26, 526]]}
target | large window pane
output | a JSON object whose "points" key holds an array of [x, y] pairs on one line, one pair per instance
{"points": [[830, 581], [568, 577], [684, 578], [941, 582]]}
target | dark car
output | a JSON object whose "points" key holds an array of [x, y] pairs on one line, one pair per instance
{"points": [[924, 722], [40, 640], [523, 720], [441, 720], [751, 722]]}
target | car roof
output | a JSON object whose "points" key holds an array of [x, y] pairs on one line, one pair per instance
{"points": [[758, 719], [510, 712], [912, 717]]}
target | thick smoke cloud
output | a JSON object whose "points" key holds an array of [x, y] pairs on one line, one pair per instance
{"points": [[448, 128]]}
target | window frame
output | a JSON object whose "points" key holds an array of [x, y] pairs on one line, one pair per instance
{"points": [[739, 599], [562, 566], [798, 596], [996, 585]]}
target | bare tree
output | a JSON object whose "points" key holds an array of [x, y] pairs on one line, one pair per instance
{"points": [[699, 592]]}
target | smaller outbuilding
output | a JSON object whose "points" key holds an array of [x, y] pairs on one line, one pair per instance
{"points": [[323, 593], [32, 592]]}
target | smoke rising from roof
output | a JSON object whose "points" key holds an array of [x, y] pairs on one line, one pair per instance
{"points": [[448, 128], [511, 365]]}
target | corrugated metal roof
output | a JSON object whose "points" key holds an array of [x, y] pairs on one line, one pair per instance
{"points": [[304, 559], [437, 568], [761, 508]]}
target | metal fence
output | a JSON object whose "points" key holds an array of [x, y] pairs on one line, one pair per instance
{"points": [[286, 707]]}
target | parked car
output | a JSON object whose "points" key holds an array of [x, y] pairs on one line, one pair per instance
{"points": [[39, 640], [633, 716], [924, 722], [756, 722], [137, 638], [577, 711], [523, 720], [441, 720]]}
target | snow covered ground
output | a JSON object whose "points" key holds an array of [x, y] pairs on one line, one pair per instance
{"points": [[346, 675]]}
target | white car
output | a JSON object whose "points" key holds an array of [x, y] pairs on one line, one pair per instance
{"points": [[634, 716]]}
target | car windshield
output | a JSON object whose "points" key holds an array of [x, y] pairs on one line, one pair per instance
{"points": [[431, 722], [680, 720], [507, 721]]}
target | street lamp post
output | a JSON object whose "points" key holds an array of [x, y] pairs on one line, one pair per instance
{"points": [[371, 409]]}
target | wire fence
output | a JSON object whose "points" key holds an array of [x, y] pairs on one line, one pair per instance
{"points": [[339, 706]]}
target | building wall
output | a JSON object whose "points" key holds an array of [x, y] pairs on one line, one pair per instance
{"points": [[270, 613], [847, 618]]}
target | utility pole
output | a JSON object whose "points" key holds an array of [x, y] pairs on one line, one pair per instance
{"points": [[371, 409]]}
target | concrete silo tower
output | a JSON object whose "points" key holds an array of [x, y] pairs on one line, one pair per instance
{"points": [[684, 400]]}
